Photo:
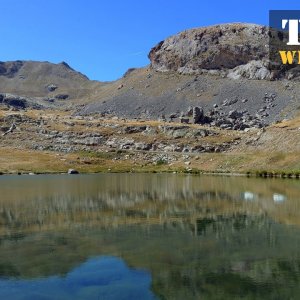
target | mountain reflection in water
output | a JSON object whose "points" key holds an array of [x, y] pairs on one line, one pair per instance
{"points": [[193, 237]]}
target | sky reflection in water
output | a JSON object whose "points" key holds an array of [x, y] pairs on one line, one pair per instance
{"points": [[98, 278]]}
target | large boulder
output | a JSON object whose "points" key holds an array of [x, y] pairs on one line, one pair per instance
{"points": [[252, 70], [198, 115]]}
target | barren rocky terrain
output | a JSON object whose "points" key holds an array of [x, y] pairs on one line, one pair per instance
{"points": [[206, 102]]}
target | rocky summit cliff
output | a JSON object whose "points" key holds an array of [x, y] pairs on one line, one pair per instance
{"points": [[219, 47], [231, 50]]}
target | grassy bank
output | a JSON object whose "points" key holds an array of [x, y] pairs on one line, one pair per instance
{"points": [[17, 161]]}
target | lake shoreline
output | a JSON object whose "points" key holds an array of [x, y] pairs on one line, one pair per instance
{"points": [[257, 174]]}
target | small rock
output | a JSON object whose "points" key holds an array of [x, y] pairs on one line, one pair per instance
{"points": [[72, 172], [184, 120], [52, 87], [62, 96]]}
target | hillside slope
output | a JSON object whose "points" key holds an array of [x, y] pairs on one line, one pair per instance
{"points": [[44, 80], [222, 66]]}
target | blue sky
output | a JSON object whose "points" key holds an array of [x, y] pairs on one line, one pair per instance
{"points": [[102, 39]]}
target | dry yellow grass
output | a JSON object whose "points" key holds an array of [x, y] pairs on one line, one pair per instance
{"points": [[290, 124], [14, 161]]}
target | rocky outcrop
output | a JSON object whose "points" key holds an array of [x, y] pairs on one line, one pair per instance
{"points": [[19, 102], [14, 101], [9, 69], [51, 87], [226, 116], [219, 47], [107, 137], [62, 96]]}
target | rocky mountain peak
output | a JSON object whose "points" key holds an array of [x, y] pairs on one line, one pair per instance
{"points": [[9, 69], [31, 79], [219, 47]]}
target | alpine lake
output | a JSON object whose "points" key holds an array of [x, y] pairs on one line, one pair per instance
{"points": [[149, 236]]}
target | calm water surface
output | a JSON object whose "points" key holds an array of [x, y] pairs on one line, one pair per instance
{"points": [[140, 236]]}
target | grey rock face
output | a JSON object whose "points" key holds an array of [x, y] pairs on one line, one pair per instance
{"points": [[211, 48]]}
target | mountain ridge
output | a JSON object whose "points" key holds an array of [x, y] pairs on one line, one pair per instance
{"points": [[197, 67], [231, 119]]}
